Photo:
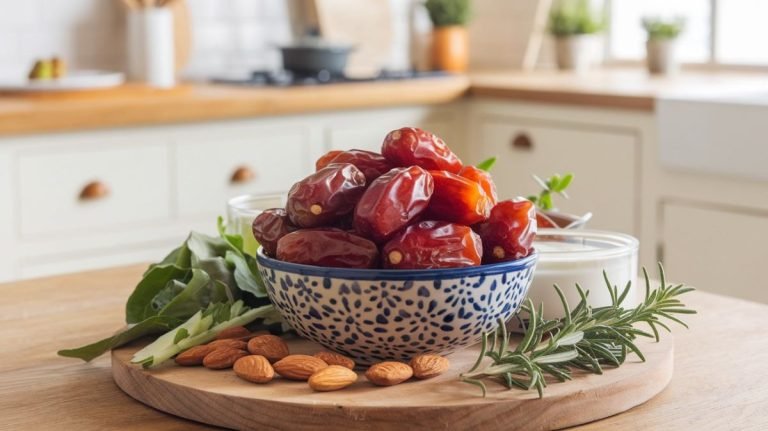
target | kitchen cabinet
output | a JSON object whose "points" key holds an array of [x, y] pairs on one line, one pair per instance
{"points": [[159, 183], [717, 249], [529, 139]]}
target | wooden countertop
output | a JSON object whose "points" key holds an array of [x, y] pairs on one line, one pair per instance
{"points": [[134, 105], [611, 88], [719, 384]]}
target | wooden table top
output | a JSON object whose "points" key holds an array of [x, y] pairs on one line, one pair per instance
{"points": [[720, 382]]}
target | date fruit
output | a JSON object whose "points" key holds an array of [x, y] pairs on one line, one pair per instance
{"points": [[509, 232], [326, 158], [393, 201], [433, 244], [327, 247], [458, 200], [410, 146], [269, 226], [373, 165], [483, 178], [321, 198]]}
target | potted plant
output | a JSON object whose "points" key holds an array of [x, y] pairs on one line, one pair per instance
{"points": [[450, 43], [575, 26], [662, 38]]}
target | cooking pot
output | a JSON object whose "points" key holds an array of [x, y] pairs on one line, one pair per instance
{"points": [[313, 56]]}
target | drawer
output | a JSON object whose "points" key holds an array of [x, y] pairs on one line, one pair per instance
{"points": [[207, 167], [51, 189], [602, 160]]}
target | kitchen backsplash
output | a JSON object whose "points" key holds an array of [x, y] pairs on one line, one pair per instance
{"points": [[228, 35]]}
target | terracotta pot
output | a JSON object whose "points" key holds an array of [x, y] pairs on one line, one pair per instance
{"points": [[450, 48]]}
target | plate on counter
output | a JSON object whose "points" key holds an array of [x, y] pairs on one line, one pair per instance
{"points": [[75, 80]]}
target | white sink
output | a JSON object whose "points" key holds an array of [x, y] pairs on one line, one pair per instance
{"points": [[726, 135]]}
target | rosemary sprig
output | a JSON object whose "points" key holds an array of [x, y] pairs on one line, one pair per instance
{"points": [[586, 338]]}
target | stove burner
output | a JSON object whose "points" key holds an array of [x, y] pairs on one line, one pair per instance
{"points": [[286, 78]]}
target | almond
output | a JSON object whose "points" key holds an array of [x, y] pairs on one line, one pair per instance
{"points": [[194, 355], [299, 367], [271, 347], [254, 368], [332, 378], [222, 358], [388, 373], [229, 343], [428, 366], [332, 358], [233, 332]]}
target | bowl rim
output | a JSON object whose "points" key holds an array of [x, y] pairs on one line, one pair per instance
{"points": [[398, 274]]}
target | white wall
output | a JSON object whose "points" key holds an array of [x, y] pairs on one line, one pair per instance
{"points": [[228, 35]]}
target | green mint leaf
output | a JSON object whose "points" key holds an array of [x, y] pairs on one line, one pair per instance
{"points": [[486, 164]]}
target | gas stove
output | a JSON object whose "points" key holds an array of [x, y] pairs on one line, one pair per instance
{"points": [[285, 78]]}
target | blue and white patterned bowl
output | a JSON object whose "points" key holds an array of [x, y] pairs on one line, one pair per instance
{"points": [[376, 314]]}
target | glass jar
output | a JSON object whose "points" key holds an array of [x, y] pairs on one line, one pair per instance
{"points": [[242, 210]]}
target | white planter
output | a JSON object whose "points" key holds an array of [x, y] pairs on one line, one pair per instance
{"points": [[662, 56], [578, 53]]}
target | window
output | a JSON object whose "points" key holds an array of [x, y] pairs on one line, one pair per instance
{"points": [[716, 31]]}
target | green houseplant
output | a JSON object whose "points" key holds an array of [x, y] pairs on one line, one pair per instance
{"points": [[661, 43], [574, 25], [450, 43]]}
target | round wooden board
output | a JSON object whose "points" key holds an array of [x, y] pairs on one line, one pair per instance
{"points": [[220, 398]]}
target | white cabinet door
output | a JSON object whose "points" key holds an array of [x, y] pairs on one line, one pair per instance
{"points": [[717, 250], [206, 164], [603, 162], [52, 184]]}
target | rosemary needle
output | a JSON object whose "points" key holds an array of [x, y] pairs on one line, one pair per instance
{"points": [[585, 338]]}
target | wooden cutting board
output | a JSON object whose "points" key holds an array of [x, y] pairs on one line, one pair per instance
{"points": [[220, 398]]}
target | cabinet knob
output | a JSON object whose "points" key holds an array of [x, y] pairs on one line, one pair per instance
{"points": [[522, 141], [242, 175], [94, 190]]}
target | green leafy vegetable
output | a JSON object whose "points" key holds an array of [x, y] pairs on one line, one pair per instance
{"points": [[586, 338], [204, 271], [553, 184], [486, 164]]}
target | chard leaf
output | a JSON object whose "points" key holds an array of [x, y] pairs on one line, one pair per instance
{"points": [[152, 325], [247, 274], [139, 305]]}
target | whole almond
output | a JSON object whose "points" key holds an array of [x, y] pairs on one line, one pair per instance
{"points": [[428, 366], [299, 367], [332, 378], [271, 347], [194, 355], [222, 358], [332, 358], [233, 332], [389, 373], [229, 343], [254, 368]]}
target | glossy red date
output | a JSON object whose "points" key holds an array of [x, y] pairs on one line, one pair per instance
{"points": [[483, 178], [321, 198], [326, 158], [410, 146], [433, 244], [327, 247], [458, 200], [509, 232], [392, 201], [269, 227], [373, 165]]}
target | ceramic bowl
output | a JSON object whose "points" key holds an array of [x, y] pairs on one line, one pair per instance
{"points": [[376, 314]]}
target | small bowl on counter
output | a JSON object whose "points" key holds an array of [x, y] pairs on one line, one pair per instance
{"points": [[383, 314]]}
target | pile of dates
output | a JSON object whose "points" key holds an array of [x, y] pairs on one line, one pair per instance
{"points": [[414, 206]]}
